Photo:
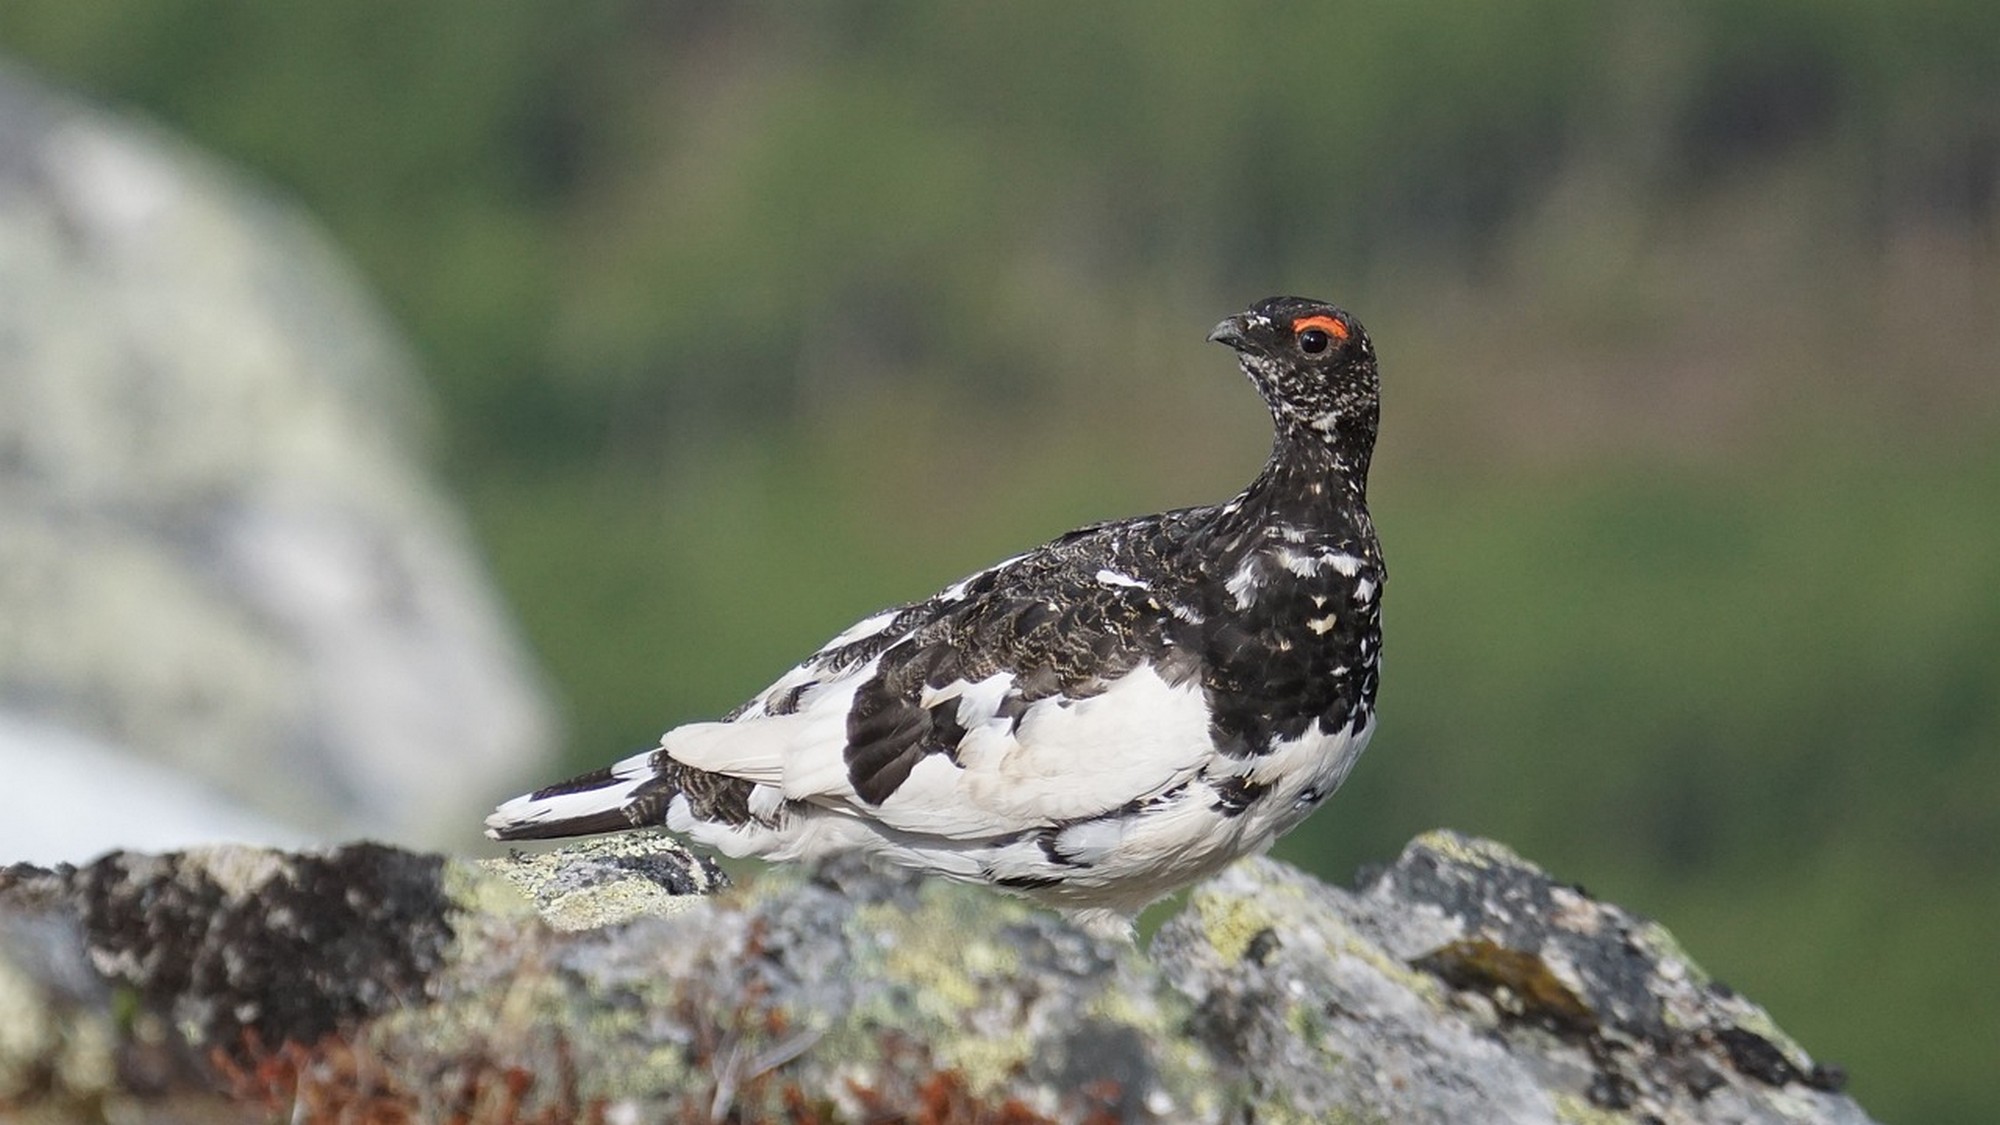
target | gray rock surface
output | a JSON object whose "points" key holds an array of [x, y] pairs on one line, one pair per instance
{"points": [[217, 551], [1467, 973], [1459, 984]]}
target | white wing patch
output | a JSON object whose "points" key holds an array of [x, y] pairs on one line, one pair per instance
{"points": [[861, 630], [1243, 584], [1114, 579], [977, 702], [1072, 759], [1305, 566], [1065, 760]]}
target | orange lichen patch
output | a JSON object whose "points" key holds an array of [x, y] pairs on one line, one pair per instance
{"points": [[1326, 324]]}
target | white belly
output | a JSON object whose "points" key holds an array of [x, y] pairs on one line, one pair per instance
{"points": [[1143, 857]]}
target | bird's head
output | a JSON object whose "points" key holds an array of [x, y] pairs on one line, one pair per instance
{"points": [[1314, 366]]}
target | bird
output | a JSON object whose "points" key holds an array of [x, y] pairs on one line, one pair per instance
{"points": [[1092, 724]]}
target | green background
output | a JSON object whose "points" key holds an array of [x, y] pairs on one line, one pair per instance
{"points": [[744, 319]]}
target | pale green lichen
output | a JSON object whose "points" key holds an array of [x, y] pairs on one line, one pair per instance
{"points": [[481, 891], [1574, 1110], [1148, 1013], [1304, 1025], [1342, 940], [941, 954], [1284, 1113], [88, 1061], [1757, 1021], [522, 1020], [27, 1033], [38, 1041], [1665, 951], [504, 999], [1662, 947], [613, 903], [598, 882], [942, 985], [1230, 923], [1186, 1072], [986, 1062], [1471, 852]]}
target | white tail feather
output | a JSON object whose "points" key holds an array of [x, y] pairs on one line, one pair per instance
{"points": [[528, 809], [755, 750]]}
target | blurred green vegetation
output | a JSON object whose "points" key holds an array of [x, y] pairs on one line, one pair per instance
{"points": [[746, 319]]}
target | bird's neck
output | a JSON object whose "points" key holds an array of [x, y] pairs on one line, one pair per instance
{"points": [[1316, 479]]}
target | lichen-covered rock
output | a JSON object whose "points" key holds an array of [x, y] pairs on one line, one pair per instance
{"points": [[231, 940], [848, 990], [70, 1052], [604, 880], [219, 551], [1459, 984], [1464, 984]]}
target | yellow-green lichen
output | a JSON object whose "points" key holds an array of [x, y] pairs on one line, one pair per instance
{"points": [[27, 1031], [1153, 1015], [1284, 1113], [987, 1063], [1574, 1110], [1303, 1023], [1757, 1021], [523, 1020], [936, 951], [1470, 851], [1663, 946], [1343, 941], [941, 955], [1186, 1071], [1666, 952], [483, 889], [616, 889], [1231, 923]]}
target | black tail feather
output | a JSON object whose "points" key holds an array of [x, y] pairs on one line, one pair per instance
{"points": [[581, 783]]}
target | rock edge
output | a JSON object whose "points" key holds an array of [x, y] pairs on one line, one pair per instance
{"points": [[623, 980]]}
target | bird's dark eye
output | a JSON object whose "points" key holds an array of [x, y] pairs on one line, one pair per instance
{"points": [[1315, 334]]}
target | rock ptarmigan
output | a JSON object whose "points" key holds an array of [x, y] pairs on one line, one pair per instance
{"points": [[1095, 723]]}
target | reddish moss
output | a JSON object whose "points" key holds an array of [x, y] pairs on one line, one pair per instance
{"points": [[334, 1082]]}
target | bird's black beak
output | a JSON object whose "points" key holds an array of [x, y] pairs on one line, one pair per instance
{"points": [[1229, 333]]}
